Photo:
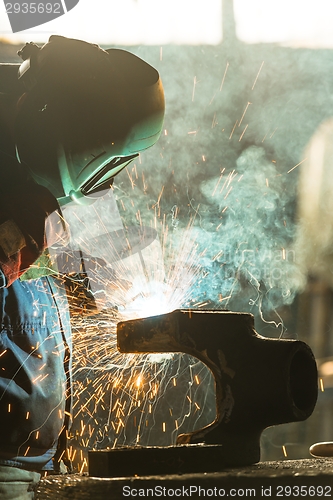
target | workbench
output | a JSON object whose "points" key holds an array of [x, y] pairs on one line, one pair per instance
{"points": [[309, 479]]}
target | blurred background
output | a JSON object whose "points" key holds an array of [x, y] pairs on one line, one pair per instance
{"points": [[234, 204]]}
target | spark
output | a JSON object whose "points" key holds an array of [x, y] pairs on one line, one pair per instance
{"points": [[246, 108], [229, 191], [221, 86], [298, 164], [220, 178], [241, 137], [84, 464], [218, 255], [130, 178], [157, 204], [321, 383], [195, 81], [233, 130], [214, 122], [255, 81], [284, 451], [225, 73], [273, 133]]}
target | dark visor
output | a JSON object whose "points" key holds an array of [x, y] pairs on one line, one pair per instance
{"points": [[103, 179]]}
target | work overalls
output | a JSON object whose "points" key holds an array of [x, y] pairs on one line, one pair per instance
{"points": [[35, 337]]}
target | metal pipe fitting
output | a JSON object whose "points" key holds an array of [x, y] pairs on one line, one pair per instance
{"points": [[259, 382]]}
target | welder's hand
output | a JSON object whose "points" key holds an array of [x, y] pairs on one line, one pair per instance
{"points": [[101, 275], [91, 284], [30, 220]]}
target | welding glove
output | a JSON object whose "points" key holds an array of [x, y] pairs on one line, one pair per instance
{"points": [[30, 221], [90, 282]]}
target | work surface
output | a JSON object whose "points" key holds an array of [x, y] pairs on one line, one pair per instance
{"points": [[286, 479]]}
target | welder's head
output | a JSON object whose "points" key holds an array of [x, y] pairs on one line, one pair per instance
{"points": [[85, 114]]}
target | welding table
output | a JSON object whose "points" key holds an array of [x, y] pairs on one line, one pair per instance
{"points": [[264, 479]]}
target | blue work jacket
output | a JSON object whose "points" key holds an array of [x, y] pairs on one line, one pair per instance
{"points": [[35, 345], [35, 336]]}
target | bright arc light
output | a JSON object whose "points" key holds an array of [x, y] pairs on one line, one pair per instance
{"points": [[153, 300]]}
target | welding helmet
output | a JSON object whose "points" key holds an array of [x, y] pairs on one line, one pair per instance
{"points": [[84, 115]]}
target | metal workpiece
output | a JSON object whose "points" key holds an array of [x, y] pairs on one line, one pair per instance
{"points": [[259, 381]]}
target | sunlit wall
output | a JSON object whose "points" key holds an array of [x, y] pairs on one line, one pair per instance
{"points": [[289, 22], [189, 22], [131, 22]]}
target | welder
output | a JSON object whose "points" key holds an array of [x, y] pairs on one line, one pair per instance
{"points": [[72, 116]]}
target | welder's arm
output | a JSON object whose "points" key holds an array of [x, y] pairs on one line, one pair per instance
{"points": [[30, 221]]}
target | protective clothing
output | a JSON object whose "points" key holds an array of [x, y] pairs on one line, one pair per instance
{"points": [[35, 339]]}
